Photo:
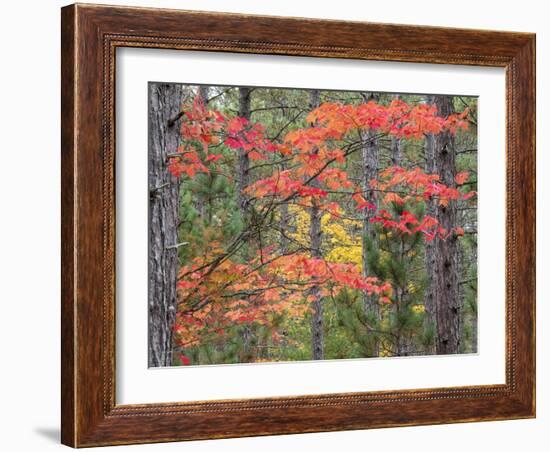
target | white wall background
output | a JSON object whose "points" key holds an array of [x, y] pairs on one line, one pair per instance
{"points": [[29, 229]]}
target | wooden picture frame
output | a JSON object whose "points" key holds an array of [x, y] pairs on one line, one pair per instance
{"points": [[90, 36]]}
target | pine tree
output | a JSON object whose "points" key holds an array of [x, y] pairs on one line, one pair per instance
{"points": [[446, 269], [392, 257], [369, 169], [317, 325], [165, 104]]}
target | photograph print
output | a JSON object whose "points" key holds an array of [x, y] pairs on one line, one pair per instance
{"points": [[309, 224]]}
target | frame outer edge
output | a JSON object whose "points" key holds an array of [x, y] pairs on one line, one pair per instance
{"points": [[534, 225], [525, 62], [68, 230], [86, 420]]}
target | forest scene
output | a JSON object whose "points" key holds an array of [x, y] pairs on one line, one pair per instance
{"points": [[306, 224]]}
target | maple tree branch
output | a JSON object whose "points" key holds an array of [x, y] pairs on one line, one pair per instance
{"points": [[278, 134], [277, 162], [210, 99]]}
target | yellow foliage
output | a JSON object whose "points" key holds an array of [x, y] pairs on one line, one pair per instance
{"points": [[412, 287], [301, 223], [339, 242]]}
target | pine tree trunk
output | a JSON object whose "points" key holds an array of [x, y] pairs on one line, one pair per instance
{"points": [[284, 225], [395, 151], [429, 292], [201, 203], [396, 144], [369, 156], [165, 104], [284, 219], [243, 180], [447, 271], [242, 156], [203, 93], [317, 333]]}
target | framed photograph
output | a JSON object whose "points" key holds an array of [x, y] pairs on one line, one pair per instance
{"points": [[280, 225]]}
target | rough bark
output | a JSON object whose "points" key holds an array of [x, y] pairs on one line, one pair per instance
{"points": [[317, 333], [447, 272], [203, 93], [284, 219], [243, 165], [395, 151], [165, 104], [369, 159], [284, 224], [429, 295], [243, 180], [201, 202], [396, 144]]}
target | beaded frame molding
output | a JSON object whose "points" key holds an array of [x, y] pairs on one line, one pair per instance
{"points": [[90, 36]]}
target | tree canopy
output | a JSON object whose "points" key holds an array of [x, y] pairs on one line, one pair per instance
{"points": [[306, 222]]}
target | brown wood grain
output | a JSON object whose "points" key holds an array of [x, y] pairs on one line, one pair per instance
{"points": [[90, 36], [67, 225]]}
